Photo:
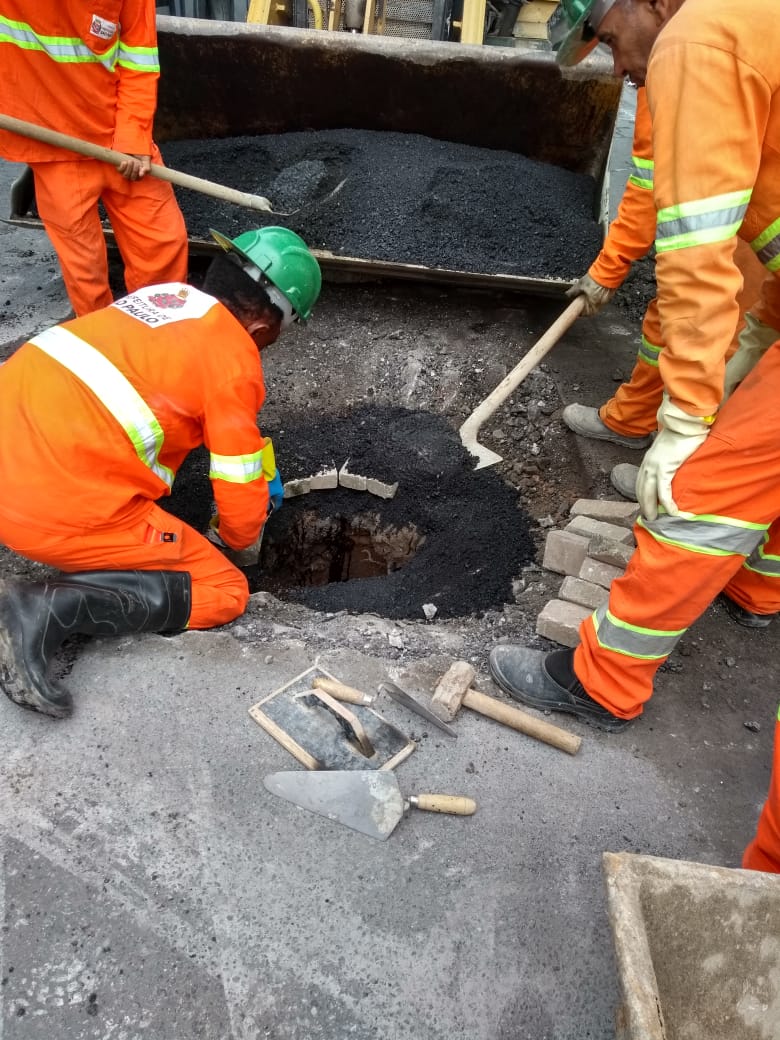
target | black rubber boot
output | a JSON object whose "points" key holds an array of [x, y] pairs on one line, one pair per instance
{"points": [[35, 619], [744, 617], [547, 682]]}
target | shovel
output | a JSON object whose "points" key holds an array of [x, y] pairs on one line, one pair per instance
{"points": [[369, 801], [163, 173], [470, 429]]}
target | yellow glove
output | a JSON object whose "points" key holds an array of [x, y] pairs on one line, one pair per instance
{"points": [[679, 436], [754, 341], [212, 532], [596, 296]]}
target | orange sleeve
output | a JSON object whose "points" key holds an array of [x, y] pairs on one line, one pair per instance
{"points": [[231, 435], [138, 71], [708, 109], [632, 231]]}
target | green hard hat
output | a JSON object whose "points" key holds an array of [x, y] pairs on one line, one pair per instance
{"points": [[284, 260], [573, 26]]}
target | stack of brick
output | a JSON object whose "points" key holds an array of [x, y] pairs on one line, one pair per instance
{"points": [[592, 550]]}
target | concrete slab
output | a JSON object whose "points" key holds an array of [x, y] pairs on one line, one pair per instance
{"points": [[697, 949]]}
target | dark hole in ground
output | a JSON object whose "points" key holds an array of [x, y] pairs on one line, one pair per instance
{"points": [[473, 536], [318, 549]]}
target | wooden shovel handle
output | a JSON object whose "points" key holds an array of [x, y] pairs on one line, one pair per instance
{"points": [[522, 721], [445, 803], [114, 158]]}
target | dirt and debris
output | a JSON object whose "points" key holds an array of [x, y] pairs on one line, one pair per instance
{"points": [[407, 198]]}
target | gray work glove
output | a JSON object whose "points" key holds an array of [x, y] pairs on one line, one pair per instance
{"points": [[754, 341], [596, 296]]}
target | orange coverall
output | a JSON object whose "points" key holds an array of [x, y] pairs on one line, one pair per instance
{"points": [[632, 410], [713, 87], [99, 413], [90, 70]]}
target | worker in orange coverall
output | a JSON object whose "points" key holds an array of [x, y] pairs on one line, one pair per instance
{"points": [[92, 76], [709, 487], [98, 414], [629, 418]]}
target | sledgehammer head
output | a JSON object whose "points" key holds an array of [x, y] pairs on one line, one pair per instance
{"points": [[452, 688]]}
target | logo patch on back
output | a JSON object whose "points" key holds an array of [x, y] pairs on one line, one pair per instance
{"points": [[162, 304]]}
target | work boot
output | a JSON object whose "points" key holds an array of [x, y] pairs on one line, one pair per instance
{"points": [[587, 423], [36, 618], [547, 682], [623, 477], [745, 617]]}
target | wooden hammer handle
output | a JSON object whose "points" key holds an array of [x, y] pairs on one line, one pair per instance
{"points": [[445, 803], [522, 721]]}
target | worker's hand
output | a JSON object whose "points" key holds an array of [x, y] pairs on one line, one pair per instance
{"points": [[596, 296], [679, 436], [134, 167], [212, 533], [754, 341], [275, 492]]}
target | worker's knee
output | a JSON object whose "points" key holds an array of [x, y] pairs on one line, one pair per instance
{"points": [[217, 603]]}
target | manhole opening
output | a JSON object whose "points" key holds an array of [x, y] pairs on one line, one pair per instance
{"points": [[316, 550]]}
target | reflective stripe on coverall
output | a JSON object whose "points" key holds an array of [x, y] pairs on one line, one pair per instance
{"points": [[99, 414], [632, 410], [731, 485], [93, 77], [763, 853]]}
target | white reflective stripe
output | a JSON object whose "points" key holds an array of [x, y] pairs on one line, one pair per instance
{"points": [[712, 535], [767, 246], [763, 563], [642, 173], [701, 222], [649, 352], [142, 59], [236, 469], [113, 390], [62, 49], [647, 644]]}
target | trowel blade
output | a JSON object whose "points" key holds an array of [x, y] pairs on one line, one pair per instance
{"points": [[368, 801]]}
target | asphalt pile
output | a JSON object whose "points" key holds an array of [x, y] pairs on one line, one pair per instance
{"points": [[407, 199], [477, 538]]}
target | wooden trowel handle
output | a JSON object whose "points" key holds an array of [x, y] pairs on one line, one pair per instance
{"points": [[447, 803], [341, 692]]}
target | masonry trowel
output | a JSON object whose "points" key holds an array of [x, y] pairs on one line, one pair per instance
{"points": [[369, 801]]}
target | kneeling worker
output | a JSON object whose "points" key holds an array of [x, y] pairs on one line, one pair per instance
{"points": [[98, 415]]}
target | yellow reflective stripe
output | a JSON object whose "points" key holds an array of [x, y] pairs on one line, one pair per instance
{"points": [[236, 469], [646, 644], [62, 49], [644, 170], [707, 533], [766, 246], [269, 459], [649, 352], [113, 390], [702, 221], [141, 59]]}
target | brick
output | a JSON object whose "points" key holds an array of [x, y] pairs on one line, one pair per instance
{"points": [[560, 621], [325, 480], [621, 513], [585, 593], [379, 488], [564, 552], [607, 550], [599, 573], [589, 528], [293, 488], [351, 480]]}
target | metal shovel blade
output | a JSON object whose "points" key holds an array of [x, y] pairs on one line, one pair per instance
{"points": [[368, 801]]}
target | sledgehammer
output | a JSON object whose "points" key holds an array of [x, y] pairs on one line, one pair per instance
{"points": [[454, 690]]}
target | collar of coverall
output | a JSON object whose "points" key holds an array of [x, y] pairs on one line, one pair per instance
{"points": [[275, 295]]}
